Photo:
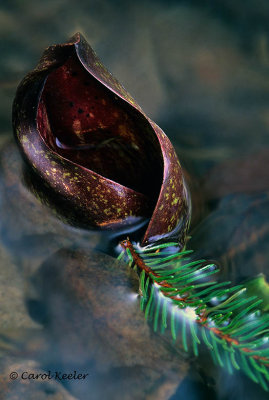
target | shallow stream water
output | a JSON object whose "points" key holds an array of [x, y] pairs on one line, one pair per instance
{"points": [[200, 72]]}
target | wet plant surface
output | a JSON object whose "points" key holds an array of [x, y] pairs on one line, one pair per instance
{"points": [[202, 74]]}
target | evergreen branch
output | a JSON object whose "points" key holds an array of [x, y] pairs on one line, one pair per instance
{"points": [[180, 294]]}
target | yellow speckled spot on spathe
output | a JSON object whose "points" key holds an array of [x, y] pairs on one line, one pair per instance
{"points": [[175, 201]]}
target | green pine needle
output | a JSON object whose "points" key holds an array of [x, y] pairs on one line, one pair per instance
{"points": [[180, 294]]}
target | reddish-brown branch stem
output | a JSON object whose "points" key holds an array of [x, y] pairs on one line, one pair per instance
{"points": [[202, 320]]}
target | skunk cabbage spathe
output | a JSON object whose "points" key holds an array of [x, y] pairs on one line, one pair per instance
{"points": [[94, 148]]}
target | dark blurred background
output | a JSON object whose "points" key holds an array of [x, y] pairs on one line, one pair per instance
{"points": [[200, 69], [202, 64]]}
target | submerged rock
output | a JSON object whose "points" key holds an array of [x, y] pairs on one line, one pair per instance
{"points": [[94, 323]]}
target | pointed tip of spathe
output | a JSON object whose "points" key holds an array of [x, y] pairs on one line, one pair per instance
{"points": [[75, 38]]}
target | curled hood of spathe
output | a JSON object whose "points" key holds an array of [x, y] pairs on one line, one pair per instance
{"points": [[101, 160]]}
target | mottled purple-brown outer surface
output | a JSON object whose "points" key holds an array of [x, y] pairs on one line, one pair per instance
{"points": [[92, 145]]}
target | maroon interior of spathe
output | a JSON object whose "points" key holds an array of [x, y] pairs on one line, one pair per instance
{"points": [[85, 122]]}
